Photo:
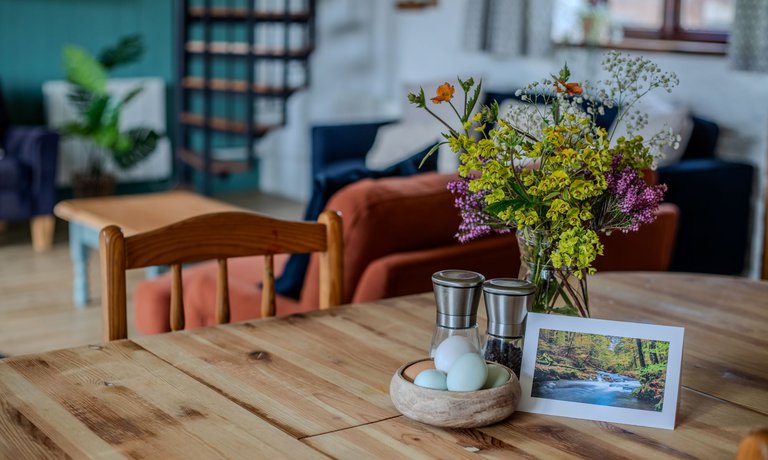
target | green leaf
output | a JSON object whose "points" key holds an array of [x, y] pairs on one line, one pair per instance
{"points": [[106, 136], [518, 189], [503, 205], [80, 98], [430, 153], [83, 70], [473, 100], [128, 97], [75, 128], [94, 113], [144, 142], [129, 49]]}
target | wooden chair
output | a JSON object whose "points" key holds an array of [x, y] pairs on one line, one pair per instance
{"points": [[216, 236]]}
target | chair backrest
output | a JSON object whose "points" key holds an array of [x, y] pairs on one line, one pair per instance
{"points": [[218, 236]]}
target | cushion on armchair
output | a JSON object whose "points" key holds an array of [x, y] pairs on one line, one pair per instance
{"points": [[326, 184]]}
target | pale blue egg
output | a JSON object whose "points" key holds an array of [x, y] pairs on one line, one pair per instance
{"points": [[431, 378], [468, 373], [497, 376], [450, 350]]}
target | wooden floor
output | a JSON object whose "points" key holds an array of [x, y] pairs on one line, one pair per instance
{"points": [[36, 309]]}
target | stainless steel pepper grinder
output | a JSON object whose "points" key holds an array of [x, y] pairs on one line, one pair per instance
{"points": [[457, 295], [506, 302]]}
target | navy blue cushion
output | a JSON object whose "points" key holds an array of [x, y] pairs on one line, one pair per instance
{"points": [[332, 179], [703, 140], [714, 200]]}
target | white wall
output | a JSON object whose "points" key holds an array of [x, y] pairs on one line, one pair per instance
{"points": [[368, 51]]}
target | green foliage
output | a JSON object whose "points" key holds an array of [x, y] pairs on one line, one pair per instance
{"points": [[128, 50], [99, 111], [82, 70]]}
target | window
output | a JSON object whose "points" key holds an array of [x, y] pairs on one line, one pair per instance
{"points": [[694, 20]]}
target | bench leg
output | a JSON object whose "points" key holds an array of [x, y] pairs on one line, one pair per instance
{"points": [[78, 251], [42, 232]]}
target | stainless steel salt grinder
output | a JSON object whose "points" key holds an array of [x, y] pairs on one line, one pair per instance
{"points": [[457, 295], [506, 301]]}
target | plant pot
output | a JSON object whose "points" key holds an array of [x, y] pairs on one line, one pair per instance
{"points": [[88, 185]]}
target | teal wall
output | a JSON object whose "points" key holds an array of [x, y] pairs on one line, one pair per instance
{"points": [[33, 33]]}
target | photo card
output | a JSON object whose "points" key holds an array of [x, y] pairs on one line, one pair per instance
{"points": [[595, 369]]}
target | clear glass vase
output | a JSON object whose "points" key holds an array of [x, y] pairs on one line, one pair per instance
{"points": [[558, 290]]}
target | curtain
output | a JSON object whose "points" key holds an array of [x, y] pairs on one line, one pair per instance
{"points": [[748, 49], [509, 27]]}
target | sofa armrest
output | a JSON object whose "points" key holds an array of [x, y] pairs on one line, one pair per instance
{"points": [[38, 149], [411, 272], [335, 143]]}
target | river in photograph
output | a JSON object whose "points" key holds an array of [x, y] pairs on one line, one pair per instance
{"points": [[606, 390]]}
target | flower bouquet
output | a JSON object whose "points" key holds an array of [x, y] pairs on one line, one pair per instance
{"points": [[548, 170]]}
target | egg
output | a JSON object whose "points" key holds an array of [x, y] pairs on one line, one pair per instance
{"points": [[449, 351], [431, 378], [468, 373], [497, 376], [413, 370]]}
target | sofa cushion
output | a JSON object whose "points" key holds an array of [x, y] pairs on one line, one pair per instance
{"points": [[324, 186], [385, 216], [244, 295], [152, 298], [396, 142], [411, 272]]}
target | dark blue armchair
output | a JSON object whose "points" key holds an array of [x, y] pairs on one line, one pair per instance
{"points": [[28, 158]]}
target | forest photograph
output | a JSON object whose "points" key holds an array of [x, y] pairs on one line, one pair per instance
{"points": [[599, 369]]}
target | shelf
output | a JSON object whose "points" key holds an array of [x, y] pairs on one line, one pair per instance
{"points": [[235, 86], [258, 60], [224, 124], [240, 49], [195, 160], [241, 14]]}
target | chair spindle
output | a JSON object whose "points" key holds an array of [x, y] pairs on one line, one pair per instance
{"points": [[268, 289], [222, 294], [177, 301]]}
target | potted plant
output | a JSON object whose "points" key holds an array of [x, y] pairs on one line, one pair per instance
{"points": [[99, 115]]}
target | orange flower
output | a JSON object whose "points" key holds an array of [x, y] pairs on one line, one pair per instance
{"points": [[570, 88], [444, 93]]}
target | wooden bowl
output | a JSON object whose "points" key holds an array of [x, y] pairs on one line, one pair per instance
{"points": [[454, 409]]}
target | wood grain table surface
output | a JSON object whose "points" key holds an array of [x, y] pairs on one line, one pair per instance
{"points": [[139, 213], [316, 385]]}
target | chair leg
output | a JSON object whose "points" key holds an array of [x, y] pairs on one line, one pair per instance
{"points": [[42, 232]]}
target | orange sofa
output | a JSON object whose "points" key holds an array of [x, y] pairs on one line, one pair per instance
{"points": [[397, 232]]}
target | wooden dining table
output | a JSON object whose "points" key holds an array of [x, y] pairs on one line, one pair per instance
{"points": [[315, 385]]}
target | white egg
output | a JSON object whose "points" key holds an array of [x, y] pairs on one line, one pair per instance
{"points": [[431, 378], [497, 376], [468, 373], [449, 351]]}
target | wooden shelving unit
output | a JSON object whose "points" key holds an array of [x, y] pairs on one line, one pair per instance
{"points": [[238, 61]]}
